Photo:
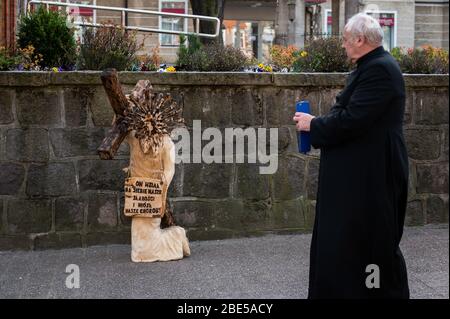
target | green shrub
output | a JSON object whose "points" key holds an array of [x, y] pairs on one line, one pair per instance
{"points": [[322, 55], [215, 57], [108, 47], [7, 59], [422, 60], [48, 33], [150, 62], [397, 53], [211, 57], [186, 50], [283, 57], [20, 59]]}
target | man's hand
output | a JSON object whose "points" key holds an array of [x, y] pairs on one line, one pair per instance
{"points": [[303, 121]]}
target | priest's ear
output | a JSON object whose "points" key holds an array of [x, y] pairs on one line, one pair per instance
{"points": [[359, 40]]}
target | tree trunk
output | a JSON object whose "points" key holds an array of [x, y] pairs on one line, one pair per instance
{"points": [[335, 5], [212, 8], [351, 8]]}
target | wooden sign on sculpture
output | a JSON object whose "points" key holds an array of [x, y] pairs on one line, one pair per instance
{"points": [[144, 120], [144, 197]]}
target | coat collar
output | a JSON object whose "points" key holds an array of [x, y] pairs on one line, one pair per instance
{"points": [[369, 56]]}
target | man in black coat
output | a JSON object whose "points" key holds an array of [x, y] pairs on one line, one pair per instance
{"points": [[363, 177]]}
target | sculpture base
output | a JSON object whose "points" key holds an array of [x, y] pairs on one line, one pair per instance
{"points": [[150, 243]]}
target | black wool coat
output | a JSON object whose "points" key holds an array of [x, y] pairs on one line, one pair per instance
{"points": [[363, 186]]}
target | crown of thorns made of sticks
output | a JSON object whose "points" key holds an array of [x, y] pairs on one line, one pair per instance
{"points": [[152, 117]]}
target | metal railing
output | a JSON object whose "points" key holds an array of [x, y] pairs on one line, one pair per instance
{"points": [[124, 11]]}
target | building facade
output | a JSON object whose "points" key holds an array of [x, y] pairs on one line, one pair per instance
{"points": [[8, 18], [254, 26], [395, 16], [431, 23]]}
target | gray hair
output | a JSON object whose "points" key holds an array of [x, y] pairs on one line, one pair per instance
{"points": [[362, 24]]}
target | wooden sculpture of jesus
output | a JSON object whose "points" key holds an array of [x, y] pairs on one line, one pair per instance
{"points": [[144, 120]]}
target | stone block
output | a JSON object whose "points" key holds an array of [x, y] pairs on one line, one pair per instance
{"points": [[102, 174], [423, 144], [437, 209], [29, 216], [432, 178], [11, 178], [211, 106], [76, 104], [289, 214], [194, 214], [76, 142], [288, 181], [69, 213], [27, 145], [6, 113], [431, 106], [52, 179], [207, 180], [414, 214], [102, 212], [57, 241], [101, 110], [38, 107], [250, 184], [280, 105], [313, 178], [108, 238], [247, 108], [15, 242]]}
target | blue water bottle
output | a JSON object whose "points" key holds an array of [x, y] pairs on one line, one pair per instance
{"points": [[304, 142]]}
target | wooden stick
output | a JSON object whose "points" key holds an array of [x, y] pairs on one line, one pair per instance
{"points": [[113, 139], [119, 103], [141, 93], [113, 89]]}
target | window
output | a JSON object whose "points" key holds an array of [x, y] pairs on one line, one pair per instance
{"points": [[254, 38], [172, 24], [81, 15], [328, 22], [387, 22]]}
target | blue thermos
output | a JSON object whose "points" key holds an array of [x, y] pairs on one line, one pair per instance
{"points": [[303, 138]]}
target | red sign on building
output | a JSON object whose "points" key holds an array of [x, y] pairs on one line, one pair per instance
{"points": [[173, 10], [312, 2], [84, 12], [388, 22]]}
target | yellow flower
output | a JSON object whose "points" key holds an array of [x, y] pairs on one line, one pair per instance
{"points": [[261, 66], [268, 68], [55, 69], [303, 54], [171, 69]]}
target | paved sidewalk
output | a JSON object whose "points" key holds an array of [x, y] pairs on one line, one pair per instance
{"points": [[274, 266]]}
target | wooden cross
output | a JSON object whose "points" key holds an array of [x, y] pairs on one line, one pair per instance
{"points": [[119, 104]]}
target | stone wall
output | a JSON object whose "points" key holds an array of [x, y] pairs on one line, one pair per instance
{"points": [[55, 192]]}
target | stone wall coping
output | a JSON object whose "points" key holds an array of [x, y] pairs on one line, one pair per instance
{"points": [[40, 78]]}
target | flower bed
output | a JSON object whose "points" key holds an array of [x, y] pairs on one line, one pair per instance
{"points": [[46, 42]]}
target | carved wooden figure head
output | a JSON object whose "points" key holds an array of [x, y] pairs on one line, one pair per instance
{"points": [[150, 116]]}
